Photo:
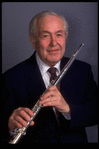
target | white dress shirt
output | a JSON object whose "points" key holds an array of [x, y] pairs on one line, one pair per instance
{"points": [[46, 77]]}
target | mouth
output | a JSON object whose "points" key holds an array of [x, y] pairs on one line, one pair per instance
{"points": [[54, 51]]}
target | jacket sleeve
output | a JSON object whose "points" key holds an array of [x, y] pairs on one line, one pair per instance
{"points": [[84, 113], [7, 108]]}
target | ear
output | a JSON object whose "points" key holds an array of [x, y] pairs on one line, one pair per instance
{"points": [[32, 41], [66, 35]]}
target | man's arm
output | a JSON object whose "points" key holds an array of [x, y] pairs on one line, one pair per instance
{"points": [[84, 114], [12, 118]]}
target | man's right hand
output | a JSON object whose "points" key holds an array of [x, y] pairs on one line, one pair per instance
{"points": [[19, 118]]}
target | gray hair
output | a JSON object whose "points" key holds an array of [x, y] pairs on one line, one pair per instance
{"points": [[32, 24]]}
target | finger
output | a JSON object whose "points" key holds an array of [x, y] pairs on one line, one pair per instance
{"points": [[16, 125], [29, 112], [48, 94], [25, 113], [32, 123], [53, 87], [19, 120], [12, 124], [50, 101]]}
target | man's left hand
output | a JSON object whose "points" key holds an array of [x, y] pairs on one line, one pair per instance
{"points": [[54, 98]]}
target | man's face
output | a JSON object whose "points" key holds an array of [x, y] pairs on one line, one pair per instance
{"points": [[50, 39]]}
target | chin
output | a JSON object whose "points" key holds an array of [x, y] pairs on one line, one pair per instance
{"points": [[54, 62], [53, 59], [56, 58]]}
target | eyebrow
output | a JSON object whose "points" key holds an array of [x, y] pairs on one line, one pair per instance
{"points": [[59, 31], [45, 32]]}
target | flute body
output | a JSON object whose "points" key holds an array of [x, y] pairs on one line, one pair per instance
{"points": [[37, 106]]}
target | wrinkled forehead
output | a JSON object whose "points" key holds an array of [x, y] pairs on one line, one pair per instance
{"points": [[48, 22]]}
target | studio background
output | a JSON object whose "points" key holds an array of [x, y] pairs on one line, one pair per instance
{"points": [[83, 28]]}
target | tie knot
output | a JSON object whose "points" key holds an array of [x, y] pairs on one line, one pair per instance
{"points": [[52, 70]]}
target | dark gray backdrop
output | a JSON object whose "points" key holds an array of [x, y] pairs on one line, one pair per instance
{"points": [[83, 27]]}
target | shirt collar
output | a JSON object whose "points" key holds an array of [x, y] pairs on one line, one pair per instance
{"points": [[43, 67]]}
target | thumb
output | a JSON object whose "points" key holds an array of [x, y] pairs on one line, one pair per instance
{"points": [[32, 123]]}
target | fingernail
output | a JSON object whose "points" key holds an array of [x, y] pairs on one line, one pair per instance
{"points": [[41, 98]]}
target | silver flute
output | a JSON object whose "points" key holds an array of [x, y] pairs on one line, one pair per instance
{"points": [[22, 131]]}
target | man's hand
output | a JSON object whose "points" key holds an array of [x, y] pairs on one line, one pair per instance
{"points": [[19, 118], [54, 98]]}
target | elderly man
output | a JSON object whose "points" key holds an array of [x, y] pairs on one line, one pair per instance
{"points": [[24, 84]]}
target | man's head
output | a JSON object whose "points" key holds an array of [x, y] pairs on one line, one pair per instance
{"points": [[48, 32]]}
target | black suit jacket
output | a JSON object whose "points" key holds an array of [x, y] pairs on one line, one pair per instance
{"points": [[22, 87]]}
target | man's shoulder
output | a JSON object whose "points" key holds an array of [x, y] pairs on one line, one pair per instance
{"points": [[17, 68], [20, 68]]}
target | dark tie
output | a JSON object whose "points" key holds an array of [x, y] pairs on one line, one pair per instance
{"points": [[52, 71]]}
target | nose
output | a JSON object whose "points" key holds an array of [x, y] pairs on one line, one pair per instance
{"points": [[53, 41]]}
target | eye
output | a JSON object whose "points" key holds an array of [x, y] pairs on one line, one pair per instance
{"points": [[45, 36], [59, 34]]}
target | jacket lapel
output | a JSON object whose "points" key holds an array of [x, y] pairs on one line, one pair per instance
{"points": [[35, 85]]}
